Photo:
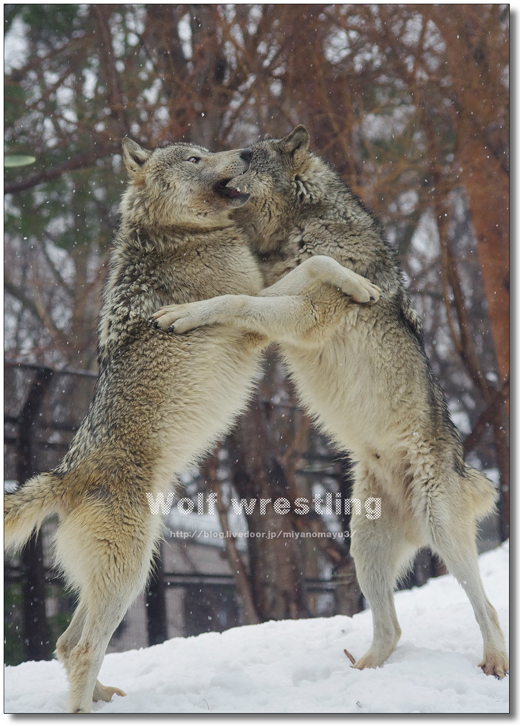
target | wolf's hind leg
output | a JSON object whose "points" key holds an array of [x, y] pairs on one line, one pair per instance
{"points": [[108, 550], [68, 641], [87, 656], [70, 638], [381, 553], [453, 539]]}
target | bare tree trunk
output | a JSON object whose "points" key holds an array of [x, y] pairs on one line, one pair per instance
{"points": [[483, 170], [502, 449], [349, 598], [102, 14], [469, 35], [156, 620], [240, 575], [487, 187], [275, 559]]}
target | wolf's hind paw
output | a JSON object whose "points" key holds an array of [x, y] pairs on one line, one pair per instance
{"points": [[105, 693], [498, 667]]}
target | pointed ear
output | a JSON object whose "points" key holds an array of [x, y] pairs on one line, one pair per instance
{"points": [[297, 144], [267, 136], [134, 155]]}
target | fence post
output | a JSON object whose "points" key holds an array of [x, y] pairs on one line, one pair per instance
{"points": [[156, 602], [35, 626]]}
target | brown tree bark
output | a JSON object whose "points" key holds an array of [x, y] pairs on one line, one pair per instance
{"points": [[240, 574], [473, 46], [102, 14], [275, 560], [487, 188]]}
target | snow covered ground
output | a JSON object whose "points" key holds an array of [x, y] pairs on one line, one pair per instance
{"points": [[299, 666]]}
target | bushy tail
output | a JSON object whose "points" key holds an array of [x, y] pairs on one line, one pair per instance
{"points": [[483, 492], [26, 508]]}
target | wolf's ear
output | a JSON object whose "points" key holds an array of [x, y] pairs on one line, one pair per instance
{"points": [[134, 155], [297, 144], [267, 136]]}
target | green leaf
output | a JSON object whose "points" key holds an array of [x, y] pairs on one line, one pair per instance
{"points": [[18, 160]]}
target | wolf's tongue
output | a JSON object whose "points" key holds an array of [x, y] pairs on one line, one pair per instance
{"points": [[224, 189], [228, 190]]}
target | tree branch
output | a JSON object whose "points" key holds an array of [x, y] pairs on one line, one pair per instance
{"points": [[81, 161], [116, 104], [487, 416], [39, 313]]}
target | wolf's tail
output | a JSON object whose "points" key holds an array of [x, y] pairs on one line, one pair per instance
{"points": [[483, 492], [26, 508]]}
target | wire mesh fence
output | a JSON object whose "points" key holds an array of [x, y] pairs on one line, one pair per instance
{"points": [[193, 588]]}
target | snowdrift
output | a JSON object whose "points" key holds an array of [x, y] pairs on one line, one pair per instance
{"points": [[300, 667]]}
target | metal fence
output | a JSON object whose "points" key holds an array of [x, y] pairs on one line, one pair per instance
{"points": [[192, 589]]}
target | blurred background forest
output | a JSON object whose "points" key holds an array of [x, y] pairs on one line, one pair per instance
{"points": [[410, 104]]}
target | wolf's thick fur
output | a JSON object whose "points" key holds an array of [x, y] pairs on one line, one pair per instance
{"points": [[365, 377], [160, 400]]}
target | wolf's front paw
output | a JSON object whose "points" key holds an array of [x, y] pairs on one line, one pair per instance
{"points": [[363, 291], [181, 318], [374, 292], [166, 316]]}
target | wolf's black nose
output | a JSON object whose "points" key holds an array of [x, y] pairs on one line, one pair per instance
{"points": [[246, 154]]}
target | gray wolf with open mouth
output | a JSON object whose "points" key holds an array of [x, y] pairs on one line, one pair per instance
{"points": [[160, 401], [365, 377]]}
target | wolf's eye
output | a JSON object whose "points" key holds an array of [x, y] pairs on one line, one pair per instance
{"points": [[194, 159]]}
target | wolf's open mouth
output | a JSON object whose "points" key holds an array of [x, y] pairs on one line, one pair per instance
{"points": [[225, 190]]}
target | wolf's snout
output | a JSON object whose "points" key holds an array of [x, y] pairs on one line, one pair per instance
{"points": [[246, 155]]}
